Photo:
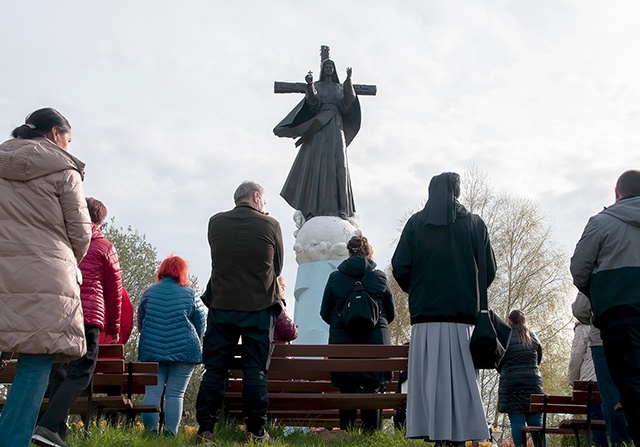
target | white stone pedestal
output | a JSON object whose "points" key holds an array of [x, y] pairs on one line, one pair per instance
{"points": [[321, 245]]}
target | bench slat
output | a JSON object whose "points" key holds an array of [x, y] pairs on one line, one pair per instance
{"points": [[331, 364], [122, 379], [581, 397], [109, 366], [8, 372], [144, 367], [111, 351], [583, 385], [310, 418], [562, 409], [344, 351], [102, 366], [343, 401], [581, 424], [291, 386]]}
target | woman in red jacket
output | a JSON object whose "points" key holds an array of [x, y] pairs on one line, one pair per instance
{"points": [[285, 331], [101, 295]]}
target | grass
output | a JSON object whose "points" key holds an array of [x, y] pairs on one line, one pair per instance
{"points": [[228, 436]]}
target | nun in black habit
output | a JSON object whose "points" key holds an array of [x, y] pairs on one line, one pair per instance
{"points": [[435, 263], [326, 120]]}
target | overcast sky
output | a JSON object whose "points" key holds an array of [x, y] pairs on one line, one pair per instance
{"points": [[172, 103]]}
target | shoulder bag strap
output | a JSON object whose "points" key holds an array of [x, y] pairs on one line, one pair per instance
{"points": [[482, 267]]}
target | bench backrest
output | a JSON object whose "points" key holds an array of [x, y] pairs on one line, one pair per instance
{"points": [[555, 404], [585, 390], [112, 374], [316, 362], [582, 394], [307, 368]]}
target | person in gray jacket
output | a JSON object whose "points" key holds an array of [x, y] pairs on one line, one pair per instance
{"points": [[606, 268], [611, 408]]}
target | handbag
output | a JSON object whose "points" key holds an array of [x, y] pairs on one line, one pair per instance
{"points": [[491, 335]]}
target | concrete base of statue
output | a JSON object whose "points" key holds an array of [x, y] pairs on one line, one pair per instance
{"points": [[321, 245]]}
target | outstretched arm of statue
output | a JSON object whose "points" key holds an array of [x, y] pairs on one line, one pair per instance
{"points": [[311, 93], [349, 92]]}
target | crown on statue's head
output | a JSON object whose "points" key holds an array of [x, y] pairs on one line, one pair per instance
{"points": [[324, 53]]}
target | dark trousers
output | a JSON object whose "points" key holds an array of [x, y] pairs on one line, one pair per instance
{"points": [[224, 329], [371, 419], [67, 381], [622, 351], [599, 436], [613, 418]]}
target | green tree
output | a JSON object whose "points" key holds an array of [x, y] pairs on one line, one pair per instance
{"points": [[139, 264], [531, 276], [400, 328]]}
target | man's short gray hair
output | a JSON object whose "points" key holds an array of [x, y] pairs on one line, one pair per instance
{"points": [[245, 190]]}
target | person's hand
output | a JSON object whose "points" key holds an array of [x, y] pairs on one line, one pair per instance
{"points": [[112, 339], [309, 78], [349, 72]]}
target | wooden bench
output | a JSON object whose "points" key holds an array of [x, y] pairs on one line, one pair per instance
{"points": [[129, 380], [300, 389], [112, 387], [584, 393]]}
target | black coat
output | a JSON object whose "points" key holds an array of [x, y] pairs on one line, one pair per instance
{"points": [[339, 286], [519, 375], [437, 266]]}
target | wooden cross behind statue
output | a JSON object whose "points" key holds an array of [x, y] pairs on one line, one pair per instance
{"points": [[301, 87]]}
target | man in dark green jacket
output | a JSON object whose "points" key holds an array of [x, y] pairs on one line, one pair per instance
{"points": [[244, 301]]}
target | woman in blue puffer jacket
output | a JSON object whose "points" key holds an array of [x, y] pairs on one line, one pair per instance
{"points": [[171, 320]]}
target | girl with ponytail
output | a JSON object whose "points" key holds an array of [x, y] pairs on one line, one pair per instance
{"points": [[519, 378]]}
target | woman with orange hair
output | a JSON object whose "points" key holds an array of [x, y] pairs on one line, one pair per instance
{"points": [[171, 320]]}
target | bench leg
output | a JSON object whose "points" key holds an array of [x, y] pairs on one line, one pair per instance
{"points": [[89, 413], [577, 435], [131, 417], [161, 419]]}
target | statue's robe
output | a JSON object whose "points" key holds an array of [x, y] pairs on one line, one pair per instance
{"points": [[319, 183]]}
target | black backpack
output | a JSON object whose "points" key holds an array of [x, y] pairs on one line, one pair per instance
{"points": [[360, 312]]}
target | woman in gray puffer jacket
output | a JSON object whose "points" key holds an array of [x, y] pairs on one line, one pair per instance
{"points": [[519, 378], [45, 231]]}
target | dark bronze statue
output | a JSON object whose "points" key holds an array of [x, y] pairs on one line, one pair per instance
{"points": [[325, 121]]}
